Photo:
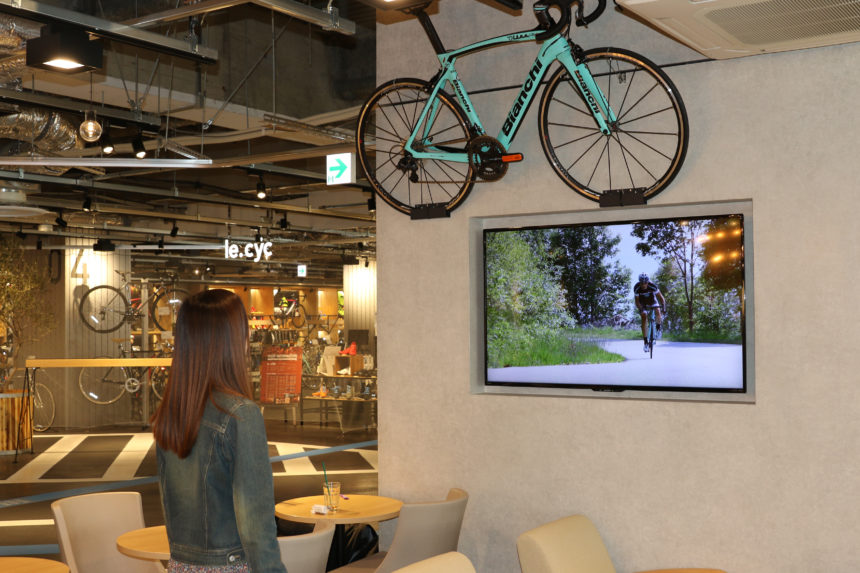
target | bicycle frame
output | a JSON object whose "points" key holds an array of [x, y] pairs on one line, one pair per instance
{"points": [[554, 48]]}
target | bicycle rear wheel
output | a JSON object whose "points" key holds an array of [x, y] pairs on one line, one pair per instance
{"points": [[165, 307], [158, 380], [103, 309], [648, 142], [101, 385], [408, 184]]}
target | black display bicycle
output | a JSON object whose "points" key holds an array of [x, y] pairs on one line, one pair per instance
{"points": [[610, 121], [106, 308]]}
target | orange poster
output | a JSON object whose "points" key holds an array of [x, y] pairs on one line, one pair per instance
{"points": [[280, 374]]}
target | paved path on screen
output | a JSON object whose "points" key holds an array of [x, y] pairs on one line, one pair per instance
{"points": [[687, 364]]}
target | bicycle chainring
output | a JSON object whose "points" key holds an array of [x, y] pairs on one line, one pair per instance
{"points": [[485, 157], [132, 385]]}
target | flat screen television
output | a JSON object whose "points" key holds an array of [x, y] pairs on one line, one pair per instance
{"points": [[558, 314]]}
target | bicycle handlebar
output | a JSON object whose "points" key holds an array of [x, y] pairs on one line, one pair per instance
{"points": [[550, 27]]}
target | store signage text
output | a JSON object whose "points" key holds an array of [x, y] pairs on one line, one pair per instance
{"points": [[254, 251]]}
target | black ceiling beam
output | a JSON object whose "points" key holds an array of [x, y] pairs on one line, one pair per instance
{"points": [[46, 13]]}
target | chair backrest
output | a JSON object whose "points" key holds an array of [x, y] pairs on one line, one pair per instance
{"points": [[307, 553], [87, 528], [425, 530], [451, 562], [569, 545]]}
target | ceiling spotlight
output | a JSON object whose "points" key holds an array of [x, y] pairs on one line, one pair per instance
{"points": [[64, 49], [88, 205], [60, 221], [138, 147], [91, 129], [371, 203], [104, 246], [261, 189], [174, 230], [107, 144]]}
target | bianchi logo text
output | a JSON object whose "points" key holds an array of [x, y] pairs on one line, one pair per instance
{"points": [[525, 93], [587, 93]]}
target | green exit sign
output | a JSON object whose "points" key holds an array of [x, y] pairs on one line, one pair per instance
{"points": [[340, 168]]}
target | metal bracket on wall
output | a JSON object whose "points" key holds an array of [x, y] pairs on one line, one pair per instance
{"points": [[623, 197], [429, 211]]}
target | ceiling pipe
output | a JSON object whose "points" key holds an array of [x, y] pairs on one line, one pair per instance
{"points": [[42, 12], [328, 20], [178, 195]]}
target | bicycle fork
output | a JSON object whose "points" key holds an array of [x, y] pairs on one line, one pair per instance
{"points": [[581, 77]]}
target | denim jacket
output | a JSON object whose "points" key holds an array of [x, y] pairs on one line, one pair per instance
{"points": [[219, 502]]}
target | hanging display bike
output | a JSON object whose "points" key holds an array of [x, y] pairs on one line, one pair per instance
{"points": [[610, 121]]}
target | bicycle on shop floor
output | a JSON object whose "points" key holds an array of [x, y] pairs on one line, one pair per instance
{"points": [[104, 385], [106, 308], [14, 378], [610, 120]]}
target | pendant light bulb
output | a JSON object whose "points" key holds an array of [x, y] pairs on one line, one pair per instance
{"points": [[91, 129]]}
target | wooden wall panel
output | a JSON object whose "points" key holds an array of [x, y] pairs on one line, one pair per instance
{"points": [[359, 309]]}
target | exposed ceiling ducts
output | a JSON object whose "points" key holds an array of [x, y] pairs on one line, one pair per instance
{"points": [[245, 121]]}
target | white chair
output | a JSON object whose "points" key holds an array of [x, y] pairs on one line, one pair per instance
{"points": [[423, 530], [307, 553], [451, 562], [571, 545], [87, 528]]}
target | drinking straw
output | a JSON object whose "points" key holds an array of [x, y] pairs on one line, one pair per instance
{"points": [[325, 477]]}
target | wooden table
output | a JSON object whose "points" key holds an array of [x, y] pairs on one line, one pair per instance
{"points": [[31, 565], [147, 543], [356, 509]]}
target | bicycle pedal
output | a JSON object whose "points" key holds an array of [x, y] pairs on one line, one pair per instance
{"points": [[512, 158]]}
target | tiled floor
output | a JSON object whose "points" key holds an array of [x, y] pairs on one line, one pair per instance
{"points": [[70, 461]]}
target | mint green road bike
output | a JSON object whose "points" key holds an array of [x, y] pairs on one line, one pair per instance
{"points": [[611, 123]]}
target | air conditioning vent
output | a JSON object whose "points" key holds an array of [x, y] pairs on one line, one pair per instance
{"points": [[732, 28]]}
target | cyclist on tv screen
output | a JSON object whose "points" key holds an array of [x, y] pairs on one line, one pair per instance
{"points": [[646, 295]]}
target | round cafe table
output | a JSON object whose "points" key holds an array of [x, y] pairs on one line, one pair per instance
{"points": [[31, 565], [147, 543], [355, 509]]}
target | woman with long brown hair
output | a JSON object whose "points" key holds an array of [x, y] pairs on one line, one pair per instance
{"points": [[213, 461]]}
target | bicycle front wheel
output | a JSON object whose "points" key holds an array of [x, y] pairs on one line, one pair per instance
{"points": [[103, 309], [44, 408], [407, 183], [101, 385], [648, 140], [165, 307]]}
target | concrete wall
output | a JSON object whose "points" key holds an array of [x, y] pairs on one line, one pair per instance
{"points": [[766, 487]]}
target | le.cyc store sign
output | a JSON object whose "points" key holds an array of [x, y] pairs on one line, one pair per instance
{"points": [[252, 251]]}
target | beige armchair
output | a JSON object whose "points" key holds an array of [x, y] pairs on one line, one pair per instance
{"points": [[87, 528], [423, 530], [572, 545], [307, 553], [451, 562]]}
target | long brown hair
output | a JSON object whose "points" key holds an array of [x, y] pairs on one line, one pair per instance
{"points": [[211, 345]]}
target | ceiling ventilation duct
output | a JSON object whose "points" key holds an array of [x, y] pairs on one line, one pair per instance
{"points": [[725, 29], [41, 131], [13, 200], [14, 32]]}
